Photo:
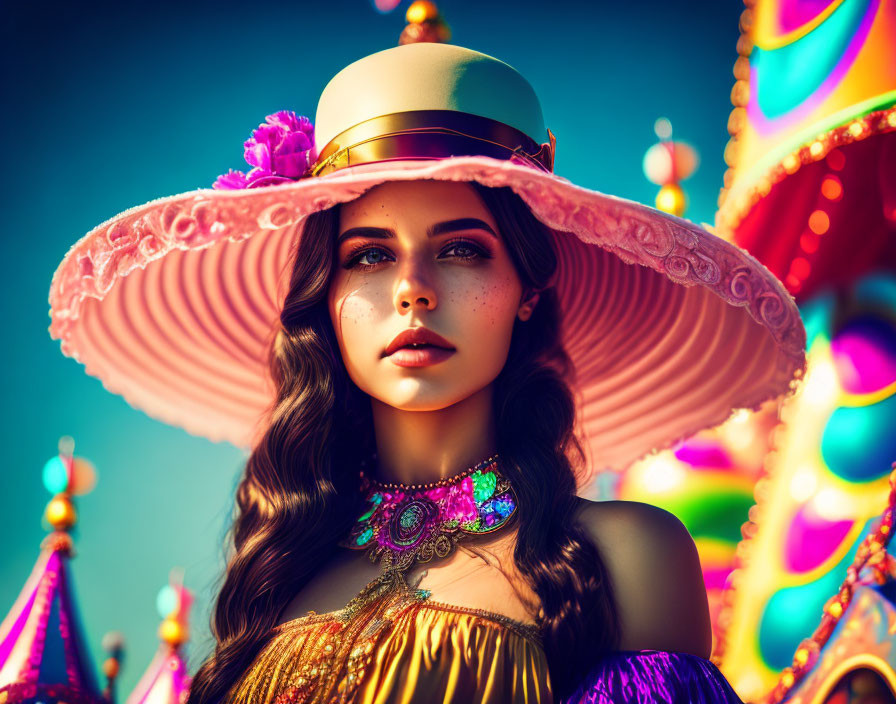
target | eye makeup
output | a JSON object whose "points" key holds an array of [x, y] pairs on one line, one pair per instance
{"points": [[354, 255]]}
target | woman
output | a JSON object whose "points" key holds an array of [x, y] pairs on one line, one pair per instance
{"points": [[451, 314]]}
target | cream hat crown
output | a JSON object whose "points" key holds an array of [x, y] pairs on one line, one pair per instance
{"points": [[427, 76]]}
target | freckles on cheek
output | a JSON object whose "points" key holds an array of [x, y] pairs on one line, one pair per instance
{"points": [[357, 310], [491, 299], [354, 310]]}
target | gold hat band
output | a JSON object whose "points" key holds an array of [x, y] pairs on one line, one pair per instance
{"points": [[431, 134]]}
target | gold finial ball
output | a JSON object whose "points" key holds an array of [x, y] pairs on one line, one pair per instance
{"points": [[787, 678], [671, 199], [61, 513], [173, 631], [835, 609], [422, 11], [111, 667]]}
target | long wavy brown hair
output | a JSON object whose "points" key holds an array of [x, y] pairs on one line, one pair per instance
{"points": [[300, 492]]}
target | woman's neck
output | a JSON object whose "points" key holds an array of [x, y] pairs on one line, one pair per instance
{"points": [[415, 447]]}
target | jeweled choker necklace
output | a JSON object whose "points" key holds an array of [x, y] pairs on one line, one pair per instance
{"points": [[404, 523]]}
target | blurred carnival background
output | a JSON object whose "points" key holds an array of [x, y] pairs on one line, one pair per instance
{"points": [[786, 106]]}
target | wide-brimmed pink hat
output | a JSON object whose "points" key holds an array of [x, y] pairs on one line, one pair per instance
{"points": [[172, 303]]}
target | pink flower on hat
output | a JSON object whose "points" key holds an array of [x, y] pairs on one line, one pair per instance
{"points": [[232, 180], [280, 149]]}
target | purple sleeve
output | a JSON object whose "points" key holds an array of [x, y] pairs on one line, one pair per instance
{"points": [[649, 676]]}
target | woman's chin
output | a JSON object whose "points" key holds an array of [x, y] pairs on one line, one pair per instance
{"points": [[423, 395]]}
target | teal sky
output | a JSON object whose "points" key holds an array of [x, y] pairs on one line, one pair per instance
{"points": [[111, 105]]}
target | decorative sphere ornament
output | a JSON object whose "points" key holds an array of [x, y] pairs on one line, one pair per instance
{"points": [[83, 477], [66, 446], [172, 631], [670, 162], [55, 475], [385, 6], [111, 667], [663, 128], [671, 199], [61, 513], [167, 601], [113, 642], [424, 25], [71, 475], [422, 11]]}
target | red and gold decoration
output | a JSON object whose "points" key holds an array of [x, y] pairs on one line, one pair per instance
{"points": [[425, 24], [43, 656], [851, 656], [811, 192], [113, 645], [667, 164], [813, 143], [166, 680]]}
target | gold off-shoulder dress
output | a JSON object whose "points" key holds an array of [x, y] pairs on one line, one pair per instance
{"points": [[394, 645]]}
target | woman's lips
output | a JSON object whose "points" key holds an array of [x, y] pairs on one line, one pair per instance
{"points": [[418, 347], [419, 356], [416, 336]]}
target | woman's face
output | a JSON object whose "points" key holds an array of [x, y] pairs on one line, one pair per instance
{"points": [[423, 255]]}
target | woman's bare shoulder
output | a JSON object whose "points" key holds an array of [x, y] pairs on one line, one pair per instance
{"points": [[611, 520], [656, 575]]}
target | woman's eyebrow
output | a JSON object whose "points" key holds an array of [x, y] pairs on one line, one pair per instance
{"points": [[459, 224], [437, 229], [375, 232]]}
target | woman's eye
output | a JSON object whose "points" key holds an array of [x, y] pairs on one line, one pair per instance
{"points": [[367, 258], [465, 250], [371, 257]]}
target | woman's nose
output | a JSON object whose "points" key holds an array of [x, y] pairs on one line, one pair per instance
{"points": [[413, 291]]}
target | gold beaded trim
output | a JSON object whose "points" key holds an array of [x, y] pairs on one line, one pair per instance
{"points": [[443, 482], [874, 123]]}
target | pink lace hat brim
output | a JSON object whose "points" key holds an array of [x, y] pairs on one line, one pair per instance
{"points": [[172, 304]]}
